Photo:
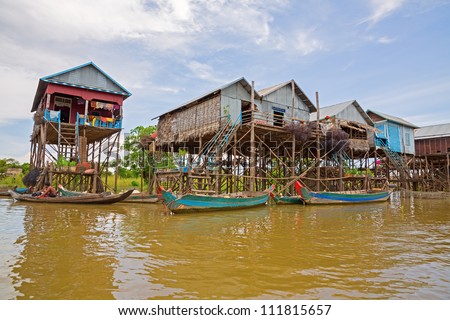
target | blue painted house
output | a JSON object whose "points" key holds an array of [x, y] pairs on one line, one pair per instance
{"points": [[397, 133]]}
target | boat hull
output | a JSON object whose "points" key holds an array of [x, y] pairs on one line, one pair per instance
{"points": [[91, 198], [142, 198], [195, 203], [346, 198]]}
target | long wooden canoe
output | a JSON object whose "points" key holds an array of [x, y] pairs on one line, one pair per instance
{"points": [[345, 197], [90, 198], [139, 197], [198, 203], [142, 198]]}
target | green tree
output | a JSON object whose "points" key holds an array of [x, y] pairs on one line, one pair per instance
{"points": [[25, 168], [136, 159], [7, 163]]}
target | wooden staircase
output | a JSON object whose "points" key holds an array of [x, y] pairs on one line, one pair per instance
{"points": [[68, 140]]}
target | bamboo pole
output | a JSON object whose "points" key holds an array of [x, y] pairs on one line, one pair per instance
{"points": [[252, 141], [117, 163], [318, 143], [448, 173]]}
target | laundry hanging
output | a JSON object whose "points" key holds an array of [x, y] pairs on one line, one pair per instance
{"points": [[102, 105]]}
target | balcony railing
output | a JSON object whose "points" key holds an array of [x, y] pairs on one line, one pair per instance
{"points": [[94, 121], [99, 121]]}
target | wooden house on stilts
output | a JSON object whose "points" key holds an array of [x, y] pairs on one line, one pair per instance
{"points": [[351, 162], [77, 125], [432, 159], [222, 141], [394, 141], [236, 139]]}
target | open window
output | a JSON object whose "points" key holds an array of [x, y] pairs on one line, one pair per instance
{"points": [[278, 117], [246, 107]]}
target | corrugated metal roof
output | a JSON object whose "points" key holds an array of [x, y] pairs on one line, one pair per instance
{"points": [[393, 119], [434, 131], [83, 77], [298, 91], [335, 109], [86, 76], [242, 81]]}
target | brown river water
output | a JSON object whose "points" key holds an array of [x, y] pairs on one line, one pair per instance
{"points": [[399, 249]]}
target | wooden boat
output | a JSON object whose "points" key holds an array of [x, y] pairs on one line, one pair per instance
{"points": [[63, 192], [198, 203], [142, 197], [344, 197], [90, 198], [5, 193], [139, 197]]}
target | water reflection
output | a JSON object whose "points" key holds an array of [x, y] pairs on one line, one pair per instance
{"points": [[67, 253], [393, 250]]}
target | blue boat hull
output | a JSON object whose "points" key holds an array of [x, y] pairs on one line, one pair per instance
{"points": [[194, 203], [344, 198]]}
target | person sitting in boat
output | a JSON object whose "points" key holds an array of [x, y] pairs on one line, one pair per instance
{"points": [[48, 191]]}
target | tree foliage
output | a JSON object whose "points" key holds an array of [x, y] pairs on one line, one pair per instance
{"points": [[7, 163], [136, 159]]}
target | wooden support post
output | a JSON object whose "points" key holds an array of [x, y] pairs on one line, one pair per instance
{"points": [[235, 173], [448, 173], [318, 143], [252, 142], [340, 171], [47, 102], [86, 106], [117, 162], [95, 177]]}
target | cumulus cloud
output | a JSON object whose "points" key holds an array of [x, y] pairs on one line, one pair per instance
{"points": [[165, 24], [306, 43]]}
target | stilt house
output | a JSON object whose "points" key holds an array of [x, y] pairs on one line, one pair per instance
{"points": [[432, 165], [352, 119], [395, 138], [224, 140], [78, 120], [397, 133]]}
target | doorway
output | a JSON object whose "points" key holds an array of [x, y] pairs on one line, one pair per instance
{"points": [[64, 113]]}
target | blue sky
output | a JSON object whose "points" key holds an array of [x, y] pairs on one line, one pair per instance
{"points": [[391, 56]]}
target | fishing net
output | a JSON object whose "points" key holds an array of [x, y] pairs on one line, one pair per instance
{"points": [[30, 178], [303, 132], [335, 140]]}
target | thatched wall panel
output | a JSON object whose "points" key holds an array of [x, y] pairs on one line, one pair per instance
{"points": [[192, 122]]}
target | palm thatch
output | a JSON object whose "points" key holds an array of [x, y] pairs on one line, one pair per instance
{"points": [[191, 122]]}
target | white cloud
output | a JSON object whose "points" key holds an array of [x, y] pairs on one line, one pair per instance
{"points": [[201, 70], [305, 43], [18, 89], [162, 25], [385, 40], [382, 9]]}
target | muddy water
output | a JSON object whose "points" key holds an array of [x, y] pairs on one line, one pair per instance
{"points": [[399, 249]]}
